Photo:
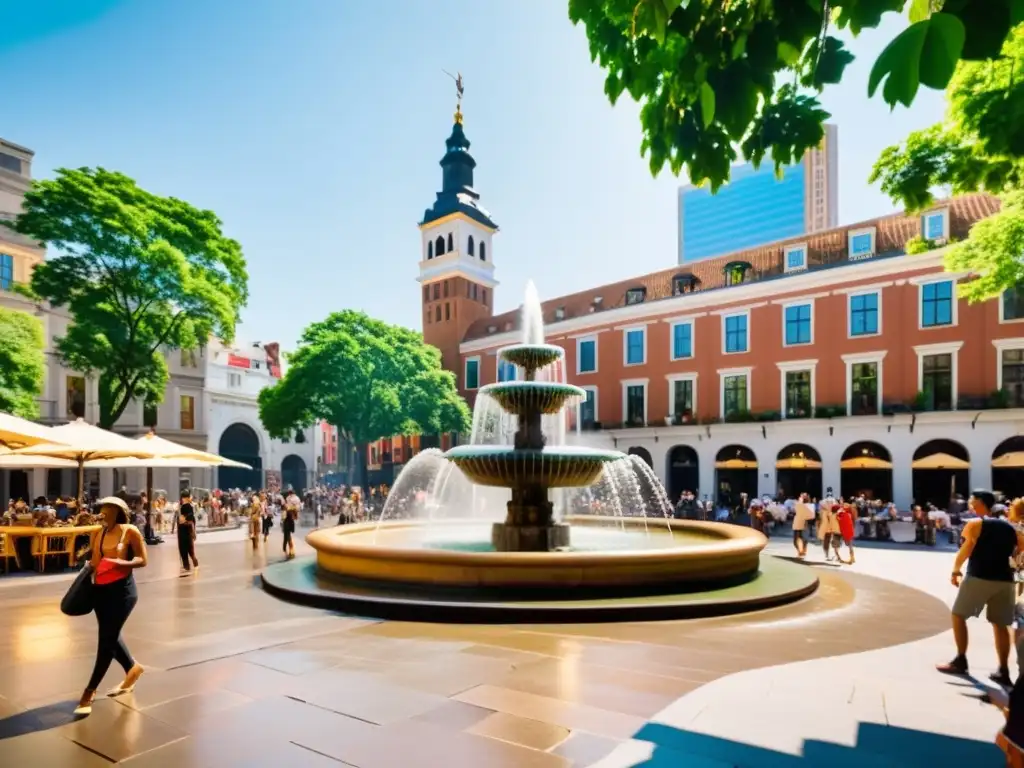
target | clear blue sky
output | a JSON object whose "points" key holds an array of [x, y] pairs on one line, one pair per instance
{"points": [[314, 129]]}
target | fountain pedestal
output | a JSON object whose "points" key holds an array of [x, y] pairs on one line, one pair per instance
{"points": [[530, 525], [529, 538]]}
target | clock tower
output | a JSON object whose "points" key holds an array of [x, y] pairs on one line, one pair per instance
{"points": [[456, 256]]}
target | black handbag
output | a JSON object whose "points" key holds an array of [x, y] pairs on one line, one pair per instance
{"points": [[79, 599]]}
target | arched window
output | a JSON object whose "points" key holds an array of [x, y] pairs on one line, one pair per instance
{"points": [[430, 250], [439, 246], [437, 314], [483, 251], [451, 243], [470, 246]]}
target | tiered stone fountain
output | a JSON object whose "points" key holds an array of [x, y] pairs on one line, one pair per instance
{"points": [[443, 559], [528, 467]]}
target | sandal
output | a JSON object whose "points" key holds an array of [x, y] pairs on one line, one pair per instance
{"points": [[84, 707], [128, 684]]}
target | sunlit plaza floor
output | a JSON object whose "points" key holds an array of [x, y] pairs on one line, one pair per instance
{"points": [[238, 678]]}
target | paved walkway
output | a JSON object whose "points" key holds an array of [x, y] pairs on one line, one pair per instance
{"points": [[889, 703], [237, 678]]}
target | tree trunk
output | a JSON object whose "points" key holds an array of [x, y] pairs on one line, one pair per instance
{"points": [[364, 480]]}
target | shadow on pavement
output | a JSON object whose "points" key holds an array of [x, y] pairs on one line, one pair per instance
{"points": [[876, 745]]}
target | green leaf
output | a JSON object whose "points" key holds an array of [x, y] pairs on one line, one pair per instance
{"points": [[987, 23], [832, 62], [21, 363], [707, 104], [926, 52], [920, 10], [789, 54]]}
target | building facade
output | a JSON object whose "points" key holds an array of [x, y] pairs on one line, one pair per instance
{"points": [[757, 207], [833, 360]]}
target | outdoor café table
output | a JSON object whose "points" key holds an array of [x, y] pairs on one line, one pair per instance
{"points": [[39, 537]]}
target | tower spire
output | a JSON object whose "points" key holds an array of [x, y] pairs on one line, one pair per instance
{"points": [[460, 90]]}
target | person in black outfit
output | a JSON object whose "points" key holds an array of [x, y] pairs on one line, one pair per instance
{"points": [[988, 545], [116, 553], [187, 534]]}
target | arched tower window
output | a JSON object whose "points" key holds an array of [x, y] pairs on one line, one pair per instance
{"points": [[430, 249], [451, 242], [470, 246], [437, 314], [483, 251], [439, 246]]}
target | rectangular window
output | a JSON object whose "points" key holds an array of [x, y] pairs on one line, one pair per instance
{"points": [[635, 405], [734, 395], [426, 293], [74, 393], [234, 380], [798, 394], [483, 291], [472, 378], [588, 410], [586, 349], [935, 226], [798, 324], [446, 289], [6, 271], [863, 389], [188, 412], [473, 291], [937, 304], [437, 291], [937, 382], [682, 341], [1013, 302], [506, 370], [864, 314], [796, 258], [735, 333], [1013, 376], [150, 415], [10, 163], [447, 311], [862, 244], [635, 346], [682, 398], [188, 358]]}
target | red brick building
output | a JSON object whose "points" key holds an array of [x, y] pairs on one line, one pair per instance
{"points": [[832, 360]]}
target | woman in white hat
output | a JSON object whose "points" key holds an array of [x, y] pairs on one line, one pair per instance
{"points": [[116, 553]]}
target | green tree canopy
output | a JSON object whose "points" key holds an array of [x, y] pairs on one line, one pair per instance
{"points": [[369, 379], [21, 363], [716, 78], [141, 275], [978, 147]]}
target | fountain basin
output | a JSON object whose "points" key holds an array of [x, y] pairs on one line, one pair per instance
{"points": [[530, 357], [503, 466], [667, 553], [541, 396]]}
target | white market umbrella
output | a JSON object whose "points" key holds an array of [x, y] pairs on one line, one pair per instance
{"points": [[16, 432], [81, 442]]}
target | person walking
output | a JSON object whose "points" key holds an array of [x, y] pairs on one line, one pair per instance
{"points": [[292, 505], [988, 545], [801, 515], [187, 534], [828, 530], [116, 553]]}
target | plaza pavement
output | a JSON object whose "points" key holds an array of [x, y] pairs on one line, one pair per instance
{"points": [[237, 678]]}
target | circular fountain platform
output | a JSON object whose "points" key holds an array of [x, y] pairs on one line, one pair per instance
{"points": [[641, 569]]}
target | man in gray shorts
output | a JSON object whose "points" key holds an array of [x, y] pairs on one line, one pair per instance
{"points": [[988, 545]]}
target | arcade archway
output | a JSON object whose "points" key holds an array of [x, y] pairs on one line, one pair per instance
{"points": [[798, 470], [293, 473], [735, 474], [866, 470], [643, 453], [1008, 467], [940, 470], [240, 443], [683, 471]]}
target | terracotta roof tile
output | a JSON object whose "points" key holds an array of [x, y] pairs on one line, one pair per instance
{"points": [[824, 249]]}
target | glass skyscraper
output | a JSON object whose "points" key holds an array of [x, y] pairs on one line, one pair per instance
{"points": [[756, 207]]}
